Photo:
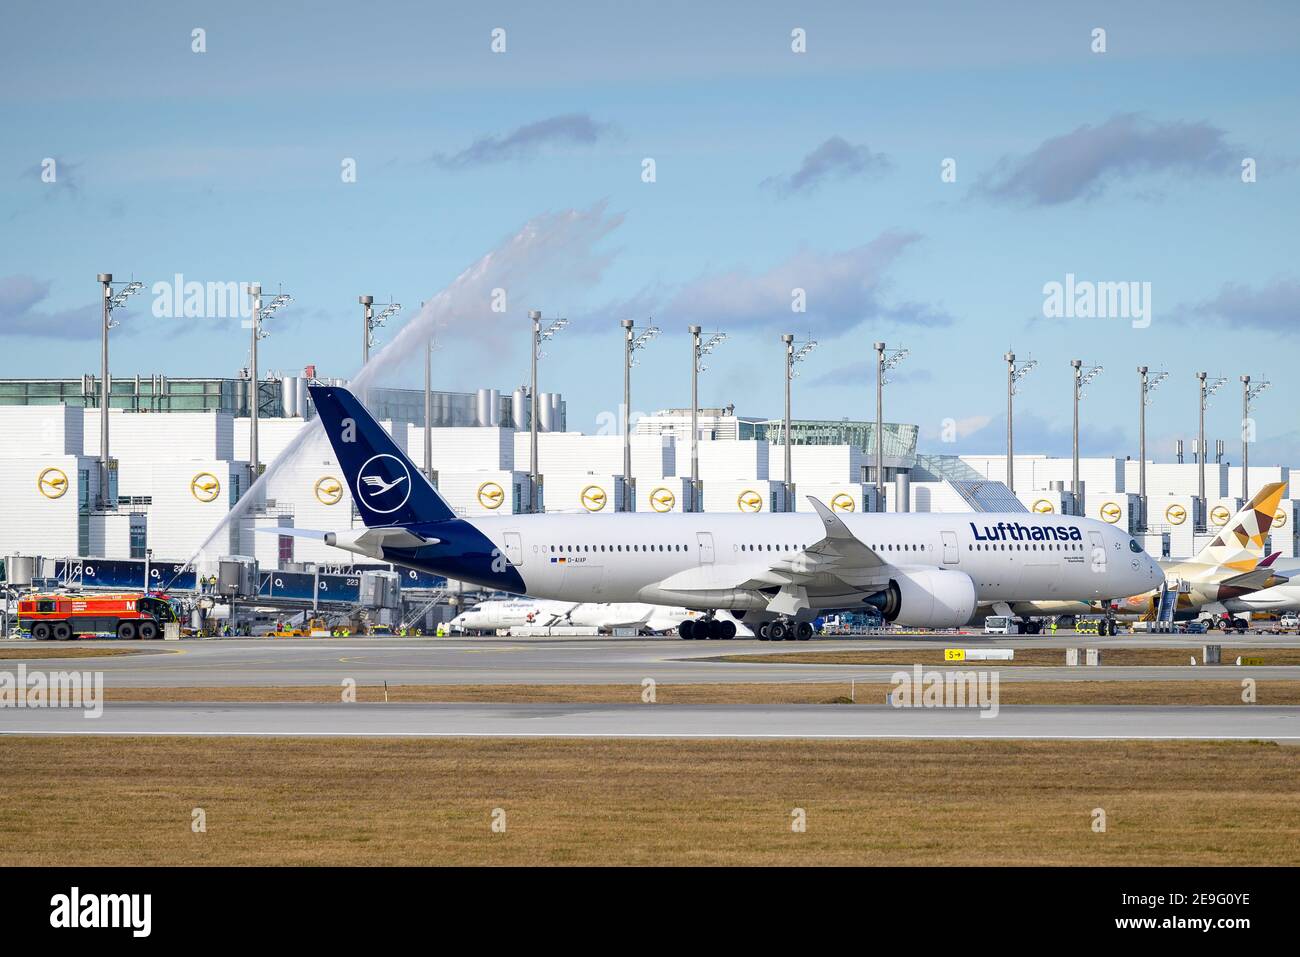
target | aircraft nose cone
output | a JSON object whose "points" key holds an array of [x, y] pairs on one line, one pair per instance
{"points": [[1155, 574]]}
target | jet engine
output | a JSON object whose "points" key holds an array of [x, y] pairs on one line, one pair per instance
{"points": [[927, 598]]}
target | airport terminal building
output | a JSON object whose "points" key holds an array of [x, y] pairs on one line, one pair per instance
{"points": [[180, 449]]}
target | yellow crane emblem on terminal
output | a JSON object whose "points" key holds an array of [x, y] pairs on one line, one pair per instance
{"points": [[749, 501], [329, 490], [205, 487], [52, 482], [593, 498], [491, 495], [843, 502], [662, 499]]}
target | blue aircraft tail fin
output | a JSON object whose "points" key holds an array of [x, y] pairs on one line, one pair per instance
{"points": [[385, 484]]}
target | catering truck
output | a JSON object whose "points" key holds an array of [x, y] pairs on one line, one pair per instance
{"points": [[126, 615]]}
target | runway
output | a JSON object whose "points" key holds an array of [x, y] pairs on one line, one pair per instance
{"points": [[663, 721], [284, 662], [265, 662]]}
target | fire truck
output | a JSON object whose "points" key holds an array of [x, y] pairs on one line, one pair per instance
{"points": [[126, 615]]}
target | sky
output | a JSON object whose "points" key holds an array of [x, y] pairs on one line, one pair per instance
{"points": [[848, 173]]}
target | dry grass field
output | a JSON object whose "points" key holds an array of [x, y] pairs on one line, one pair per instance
{"points": [[120, 801], [62, 651], [1225, 692]]}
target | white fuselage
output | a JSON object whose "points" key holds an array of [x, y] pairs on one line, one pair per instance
{"points": [[1276, 600], [629, 557], [546, 613]]}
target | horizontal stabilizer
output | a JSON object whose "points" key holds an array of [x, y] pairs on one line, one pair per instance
{"points": [[293, 532]]}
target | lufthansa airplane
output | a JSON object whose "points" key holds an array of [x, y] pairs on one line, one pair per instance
{"points": [[774, 571], [604, 616]]}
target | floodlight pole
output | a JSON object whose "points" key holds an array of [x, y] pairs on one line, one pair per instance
{"points": [[368, 314], [428, 408], [788, 339], [1077, 365], [1142, 448], [880, 426], [255, 290], [695, 422], [536, 316], [106, 280], [1200, 440], [1011, 437], [1245, 444], [629, 488]]}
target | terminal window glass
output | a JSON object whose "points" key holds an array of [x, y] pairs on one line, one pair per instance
{"points": [[137, 541]]}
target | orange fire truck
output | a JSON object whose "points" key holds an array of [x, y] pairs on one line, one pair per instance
{"points": [[126, 614]]}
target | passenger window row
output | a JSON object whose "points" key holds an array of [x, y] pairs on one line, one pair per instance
{"points": [[619, 548], [1029, 546]]}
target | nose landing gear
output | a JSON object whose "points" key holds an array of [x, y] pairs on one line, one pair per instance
{"points": [[707, 628]]}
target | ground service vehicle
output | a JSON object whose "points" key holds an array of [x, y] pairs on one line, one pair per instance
{"points": [[1001, 625], [126, 615], [1227, 622]]}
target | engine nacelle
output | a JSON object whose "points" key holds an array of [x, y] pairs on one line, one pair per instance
{"points": [[927, 598]]}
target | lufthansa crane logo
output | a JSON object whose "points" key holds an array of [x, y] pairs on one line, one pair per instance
{"points": [[843, 502], [490, 495], [749, 501], [662, 499], [329, 490], [1044, 507], [1111, 513], [52, 482], [593, 498], [1279, 518], [1219, 515], [1176, 514], [205, 487], [384, 484]]}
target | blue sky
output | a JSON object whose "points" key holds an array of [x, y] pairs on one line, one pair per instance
{"points": [[774, 170]]}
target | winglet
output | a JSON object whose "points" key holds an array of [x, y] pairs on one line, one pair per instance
{"points": [[840, 538]]}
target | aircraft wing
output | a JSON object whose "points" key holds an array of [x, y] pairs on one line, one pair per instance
{"points": [[838, 557]]}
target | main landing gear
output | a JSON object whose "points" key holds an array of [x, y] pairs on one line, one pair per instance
{"points": [[785, 630], [706, 628]]}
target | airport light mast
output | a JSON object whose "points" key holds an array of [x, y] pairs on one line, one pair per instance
{"points": [[1081, 379], [1248, 394], [260, 312], [698, 352], [539, 336], [1014, 375], [792, 359], [1206, 390], [373, 322], [884, 362], [1148, 385], [631, 343], [112, 300], [428, 406]]}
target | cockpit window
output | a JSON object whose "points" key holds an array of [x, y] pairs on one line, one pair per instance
{"points": [[1133, 546]]}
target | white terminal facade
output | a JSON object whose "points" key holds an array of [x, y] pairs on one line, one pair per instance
{"points": [[179, 453]]}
